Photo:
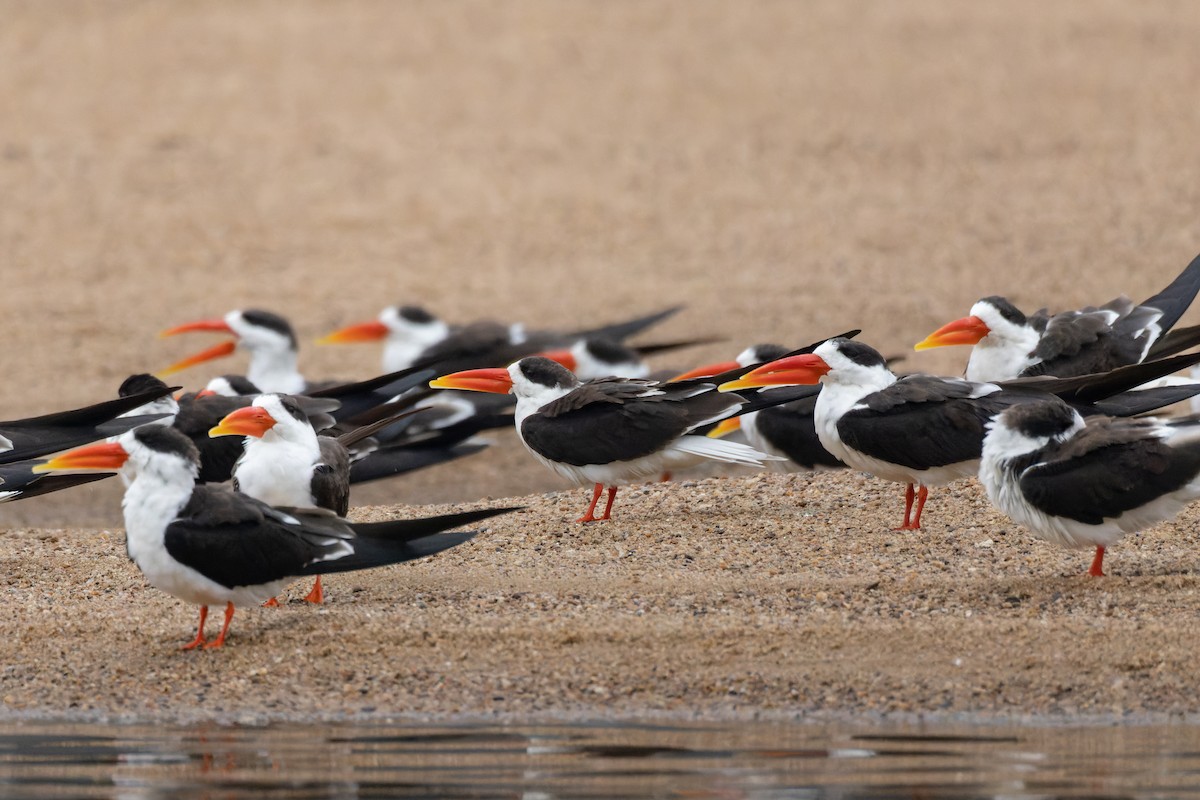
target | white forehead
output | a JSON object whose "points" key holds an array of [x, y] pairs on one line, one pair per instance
{"points": [[518, 376], [830, 351], [236, 320], [139, 453], [522, 386], [273, 405], [990, 315]]}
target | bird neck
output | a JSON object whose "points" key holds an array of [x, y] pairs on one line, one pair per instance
{"points": [[838, 394], [152, 501], [530, 402], [277, 472], [292, 439], [275, 371], [1003, 354], [402, 350]]}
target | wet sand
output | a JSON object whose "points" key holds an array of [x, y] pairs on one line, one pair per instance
{"points": [[785, 171]]}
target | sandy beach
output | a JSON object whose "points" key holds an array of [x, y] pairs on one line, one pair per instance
{"points": [[785, 171], [766, 596]]}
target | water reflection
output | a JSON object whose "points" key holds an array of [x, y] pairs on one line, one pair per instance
{"points": [[549, 762]]}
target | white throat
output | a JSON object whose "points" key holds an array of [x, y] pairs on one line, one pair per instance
{"points": [[403, 347], [275, 371], [152, 501], [1005, 352]]}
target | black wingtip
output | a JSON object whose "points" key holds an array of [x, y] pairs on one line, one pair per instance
{"points": [[391, 461], [1098, 386], [1173, 342], [758, 399], [409, 529], [93, 414], [356, 435], [623, 330], [39, 436], [378, 552], [1174, 300], [1144, 401], [380, 544], [24, 483], [850, 334], [362, 395]]}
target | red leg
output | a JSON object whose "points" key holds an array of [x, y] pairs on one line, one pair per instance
{"points": [[317, 594], [199, 640], [910, 494], [590, 515], [666, 476], [272, 603], [612, 495], [220, 640], [1097, 570], [922, 495]]}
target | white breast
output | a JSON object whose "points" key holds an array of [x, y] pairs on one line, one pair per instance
{"points": [[278, 473], [151, 505]]}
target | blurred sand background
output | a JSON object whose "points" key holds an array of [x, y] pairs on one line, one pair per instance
{"points": [[787, 170]]}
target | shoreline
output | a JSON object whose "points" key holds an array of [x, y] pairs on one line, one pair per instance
{"points": [[877, 721], [936, 724], [691, 604]]}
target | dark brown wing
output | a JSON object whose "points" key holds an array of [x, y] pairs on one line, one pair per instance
{"points": [[615, 419], [480, 344], [920, 390], [1111, 467], [235, 540], [602, 433], [921, 422], [603, 391], [1088, 341]]}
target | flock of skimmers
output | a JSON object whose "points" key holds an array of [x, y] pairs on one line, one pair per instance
{"points": [[1050, 417]]}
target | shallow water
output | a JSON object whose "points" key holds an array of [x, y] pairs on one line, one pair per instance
{"points": [[546, 761]]}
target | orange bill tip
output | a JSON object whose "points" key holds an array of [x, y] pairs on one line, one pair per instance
{"points": [[249, 421], [211, 325], [968, 330], [496, 381], [216, 351], [362, 332], [798, 370], [104, 457]]}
